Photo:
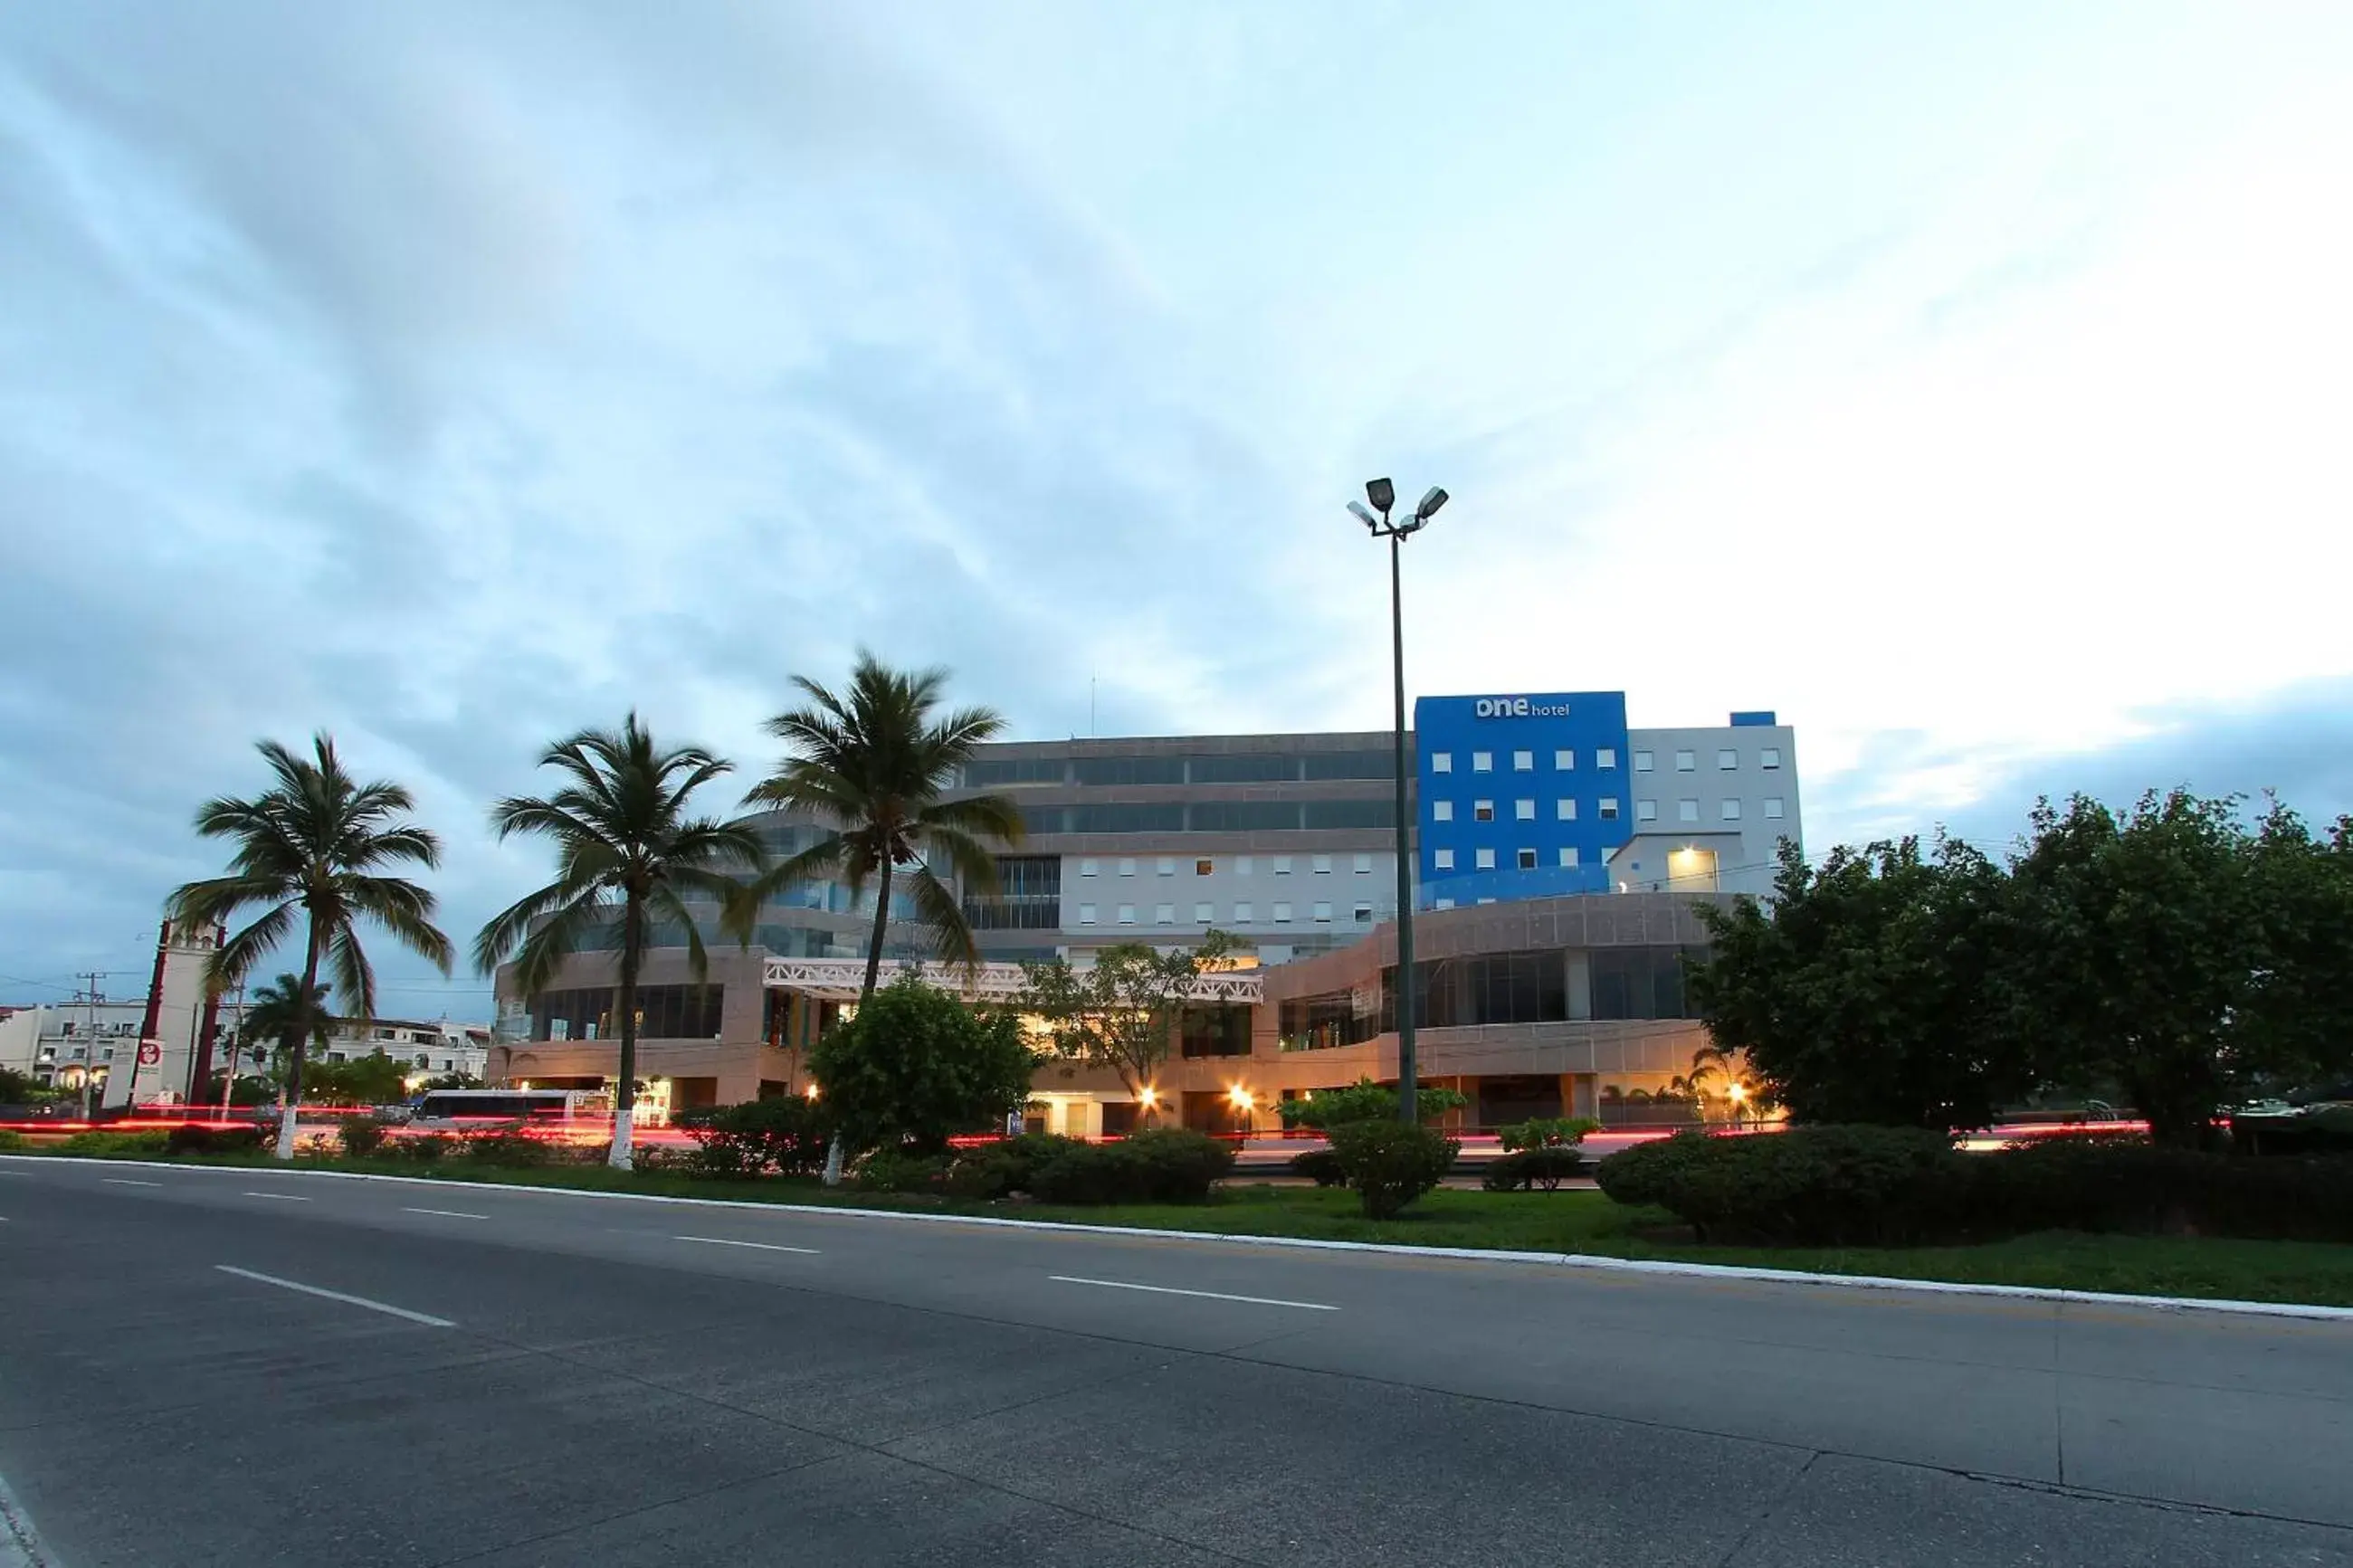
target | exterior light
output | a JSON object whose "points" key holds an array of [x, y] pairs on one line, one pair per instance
{"points": [[1737, 1093], [1430, 502], [1240, 1098], [1147, 1096], [1357, 509], [810, 1092], [1381, 493]]}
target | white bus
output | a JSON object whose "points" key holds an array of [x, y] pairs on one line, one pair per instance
{"points": [[450, 1107]]}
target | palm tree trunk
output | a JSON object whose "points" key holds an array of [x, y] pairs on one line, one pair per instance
{"points": [[834, 1151], [624, 1095], [304, 1026]]}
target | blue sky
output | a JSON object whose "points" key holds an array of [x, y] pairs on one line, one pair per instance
{"points": [[1966, 384]]}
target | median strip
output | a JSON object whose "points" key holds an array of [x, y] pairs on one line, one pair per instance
{"points": [[426, 1319], [757, 1246], [1209, 1295]]}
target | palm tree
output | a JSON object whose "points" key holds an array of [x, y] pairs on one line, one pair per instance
{"points": [[626, 844], [316, 842], [873, 762], [275, 1016]]}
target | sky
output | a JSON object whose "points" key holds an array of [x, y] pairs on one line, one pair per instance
{"points": [[1966, 384]]}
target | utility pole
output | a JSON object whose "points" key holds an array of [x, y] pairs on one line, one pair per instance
{"points": [[90, 996]]}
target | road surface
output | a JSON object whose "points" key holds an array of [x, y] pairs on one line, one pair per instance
{"points": [[255, 1367]]}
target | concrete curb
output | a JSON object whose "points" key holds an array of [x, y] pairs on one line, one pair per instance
{"points": [[1724, 1271], [20, 1544]]}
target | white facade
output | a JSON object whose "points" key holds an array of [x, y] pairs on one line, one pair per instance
{"points": [[1277, 901], [434, 1047], [1710, 807]]}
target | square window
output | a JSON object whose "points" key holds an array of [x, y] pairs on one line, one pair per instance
{"points": [[1564, 761], [1441, 761], [1241, 864], [1731, 811], [1686, 811], [1773, 807], [1204, 914], [1323, 914], [1164, 914], [1727, 759], [1609, 805], [1483, 860], [1527, 859], [1606, 757], [1321, 864], [1568, 854], [1441, 811], [1768, 757], [1242, 914], [1127, 914], [1167, 867], [1523, 811], [1087, 867], [1686, 762], [1646, 811], [1204, 868], [1283, 914], [1127, 868], [1482, 811], [1361, 915], [1644, 761], [1364, 865], [1283, 864], [1442, 903], [1524, 761], [1442, 858], [1564, 810], [1482, 762], [1086, 914]]}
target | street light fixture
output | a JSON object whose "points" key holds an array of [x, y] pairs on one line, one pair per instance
{"points": [[1383, 495]]}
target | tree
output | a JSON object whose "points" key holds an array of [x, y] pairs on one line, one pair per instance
{"points": [[874, 763], [1363, 1101], [278, 1014], [916, 1067], [625, 844], [317, 843], [1123, 1011], [372, 1079], [23, 1089], [1869, 992]]}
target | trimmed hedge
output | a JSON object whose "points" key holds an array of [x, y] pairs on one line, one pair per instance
{"points": [[1390, 1164], [1545, 1166], [785, 1134], [192, 1140], [1886, 1186], [1166, 1165], [1320, 1167]]}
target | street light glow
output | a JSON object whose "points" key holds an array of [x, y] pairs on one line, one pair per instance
{"points": [[1240, 1098]]}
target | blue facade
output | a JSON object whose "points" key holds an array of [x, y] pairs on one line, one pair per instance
{"points": [[1559, 757]]}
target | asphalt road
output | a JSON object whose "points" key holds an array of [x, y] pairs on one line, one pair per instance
{"points": [[565, 1379]]}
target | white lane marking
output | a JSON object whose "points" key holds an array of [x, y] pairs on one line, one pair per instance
{"points": [[447, 1214], [426, 1317], [282, 1197], [127, 1182], [759, 1246], [1211, 1295]]}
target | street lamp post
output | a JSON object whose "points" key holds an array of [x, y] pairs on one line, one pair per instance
{"points": [[1383, 495]]}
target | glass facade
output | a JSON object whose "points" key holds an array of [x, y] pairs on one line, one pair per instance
{"points": [[997, 772], [1207, 817], [1101, 771], [664, 1013], [1526, 987], [1029, 896]]}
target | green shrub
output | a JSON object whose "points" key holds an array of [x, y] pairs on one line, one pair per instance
{"points": [[1166, 1165], [1544, 1166], [1807, 1186], [13, 1140], [511, 1150], [1363, 1100], [1547, 1131], [360, 1136], [898, 1171], [117, 1143], [2108, 1183], [424, 1147], [1320, 1167], [193, 1140], [1390, 1164], [1007, 1165], [782, 1134]]}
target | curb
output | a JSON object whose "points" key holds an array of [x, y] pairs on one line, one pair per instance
{"points": [[1594, 1261], [20, 1544]]}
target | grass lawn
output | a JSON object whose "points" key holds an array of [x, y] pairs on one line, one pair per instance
{"points": [[1568, 1221]]}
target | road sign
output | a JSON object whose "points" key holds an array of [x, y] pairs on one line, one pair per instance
{"points": [[150, 1053]]}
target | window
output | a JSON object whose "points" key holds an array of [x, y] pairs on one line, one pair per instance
{"points": [[1646, 811], [1773, 807], [1086, 914], [1241, 864], [1482, 762], [1127, 914], [1686, 811], [1127, 868], [1204, 914], [1609, 805], [1564, 761], [1361, 915], [1527, 859], [1644, 761], [1727, 759], [1321, 864], [1167, 867], [1568, 854], [1087, 868], [1441, 811], [1606, 757], [1243, 913], [1164, 914], [1441, 761], [1204, 868], [1686, 762], [1364, 865], [1443, 859], [1442, 903], [1564, 810], [1524, 761], [1323, 914], [1523, 811], [1283, 864], [1482, 811], [1770, 757], [1282, 914], [1483, 860]]}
